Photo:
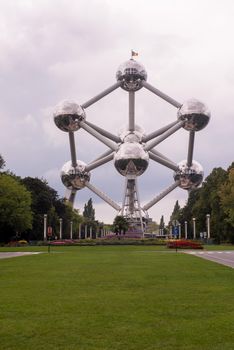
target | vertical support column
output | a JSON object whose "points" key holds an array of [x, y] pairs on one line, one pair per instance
{"points": [[86, 229], [186, 230], [79, 234], [208, 225], [90, 232], [179, 231], [45, 227], [71, 230], [60, 228], [131, 126], [72, 148], [194, 228], [190, 148]]}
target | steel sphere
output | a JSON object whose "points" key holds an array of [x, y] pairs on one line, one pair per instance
{"points": [[74, 177], [196, 114], [189, 177], [131, 159], [67, 116], [131, 136], [130, 74]]}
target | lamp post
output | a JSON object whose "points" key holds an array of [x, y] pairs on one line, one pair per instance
{"points": [[179, 231], [186, 230], [45, 227], [208, 225], [60, 228], [71, 229], [194, 228]]}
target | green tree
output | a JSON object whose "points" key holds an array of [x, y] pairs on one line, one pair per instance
{"points": [[176, 214], [226, 194], [89, 211], [2, 162], [15, 208], [120, 224]]}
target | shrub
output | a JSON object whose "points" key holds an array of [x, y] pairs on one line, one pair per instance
{"points": [[184, 244]]}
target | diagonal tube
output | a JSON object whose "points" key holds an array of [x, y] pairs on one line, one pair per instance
{"points": [[98, 136], [167, 163], [72, 148], [190, 148], [109, 151], [165, 135], [101, 95], [161, 94], [159, 154], [104, 132], [158, 132], [161, 195], [99, 162], [103, 196]]}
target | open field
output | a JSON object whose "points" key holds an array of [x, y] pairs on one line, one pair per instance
{"points": [[88, 298]]}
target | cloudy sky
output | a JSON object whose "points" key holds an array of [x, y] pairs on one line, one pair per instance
{"points": [[52, 50]]}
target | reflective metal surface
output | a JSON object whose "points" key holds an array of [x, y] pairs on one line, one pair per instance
{"points": [[67, 116], [189, 177], [131, 136], [130, 74], [196, 113], [74, 178], [131, 159]]}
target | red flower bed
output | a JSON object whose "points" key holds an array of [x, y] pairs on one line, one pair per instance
{"points": [[184, 244]]}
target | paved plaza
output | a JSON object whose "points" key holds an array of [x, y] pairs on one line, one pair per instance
{"points": [[225, 257], [16, 254]]}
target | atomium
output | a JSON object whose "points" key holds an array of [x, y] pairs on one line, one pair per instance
{"points": [[132, 148]]}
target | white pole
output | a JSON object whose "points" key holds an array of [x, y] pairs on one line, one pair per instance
{"points": [[45, 226], [71, 233], [86, 231], [194, 228], [179, 231], [79, 237], [60, 228], [208, 225], [90, 232], [186, 230]]}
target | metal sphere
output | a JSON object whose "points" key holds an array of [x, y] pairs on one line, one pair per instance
{"points": [[196, 114], [131, 159], [74, 177], [131, 136], [189, 177], [67, 116], [130, 74]]}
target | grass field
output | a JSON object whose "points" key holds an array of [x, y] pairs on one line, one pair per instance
{"points": [[112, 298]]}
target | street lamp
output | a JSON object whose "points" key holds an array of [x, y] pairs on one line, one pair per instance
{"points": [[194, 228], [45, 227], [208, 225], [60, 227], [186, 229], [71, 233]]}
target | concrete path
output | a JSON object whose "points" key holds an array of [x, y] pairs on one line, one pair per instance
{"points": [[225, 257], [15, 254]]}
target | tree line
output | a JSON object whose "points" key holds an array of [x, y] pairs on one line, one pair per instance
{"points": [[216, 198], [23, 203]]}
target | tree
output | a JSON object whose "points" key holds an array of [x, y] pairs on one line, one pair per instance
{"points": [[226, 194], [89, 211], [176, 214], [120, 225], [15, 208], [43, 199], [2, 162]]}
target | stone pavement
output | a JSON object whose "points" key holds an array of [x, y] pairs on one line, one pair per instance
{"points": [[15, 254], [224, 257]]}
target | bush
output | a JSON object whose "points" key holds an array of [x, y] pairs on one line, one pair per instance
{"points": [[184, 244]]}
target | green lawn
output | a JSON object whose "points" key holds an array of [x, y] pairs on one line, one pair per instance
{"points": [[128, 298]]}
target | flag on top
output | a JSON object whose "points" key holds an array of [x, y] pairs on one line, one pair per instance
{"points": [[134, 53]]}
